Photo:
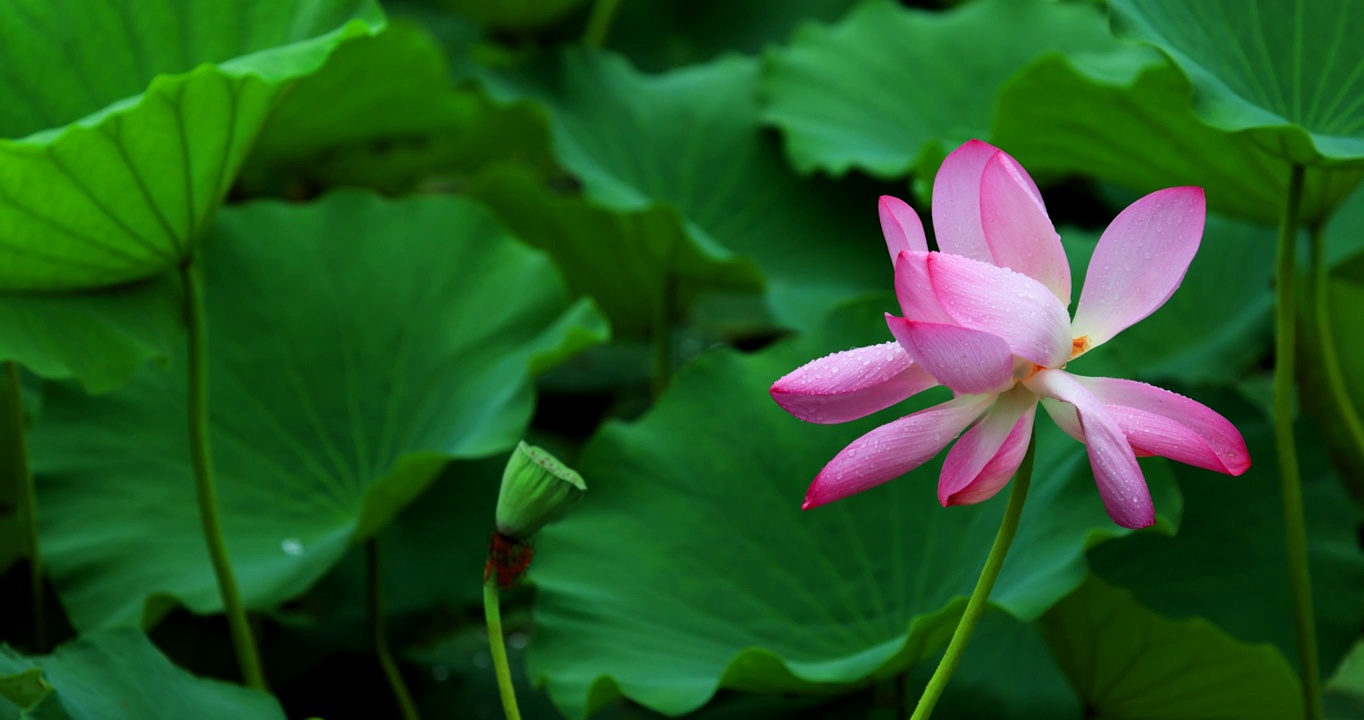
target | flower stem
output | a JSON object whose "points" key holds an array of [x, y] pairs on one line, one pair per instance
{"points": [[599, 22], [379, 635], [975, 607], [28, 499], [1295, 525], [1326, 350], [207, 492], [493, 611]]}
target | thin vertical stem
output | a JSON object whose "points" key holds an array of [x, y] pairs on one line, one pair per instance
{"points": [[599, 22], [207, 491], [975, 606], [379, 634], [28, 500], [1295, 525], [493, 611], [1326, 350]]}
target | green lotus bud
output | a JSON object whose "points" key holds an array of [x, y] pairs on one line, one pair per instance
{"points": [[536, 490]]}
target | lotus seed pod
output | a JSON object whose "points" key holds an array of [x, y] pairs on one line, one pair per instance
{"points": [[536, 490]]}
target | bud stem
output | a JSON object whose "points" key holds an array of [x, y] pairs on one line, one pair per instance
{"points": [[975, 607], [493, 611]]}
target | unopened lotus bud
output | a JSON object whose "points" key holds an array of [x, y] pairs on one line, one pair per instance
{"points": [[536, 490]]}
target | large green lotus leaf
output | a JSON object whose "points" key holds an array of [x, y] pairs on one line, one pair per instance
{"points": [[664, 34], [351, 124], [1227, 564], [1216, 326], [356, 344], [631, 262], [95, 337], [125, 123], [1126, 116], [690, 140], [119, 674], [1286, 73], [1129, 663], [690, 567], [890, 90]]}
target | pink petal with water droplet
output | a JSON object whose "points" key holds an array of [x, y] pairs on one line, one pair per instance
{"points": [[901, 225], [986, 457], [914, 290], [1017, 229], [850, 384], [1139, 262], [956, 201], [1004, 303], [893, 449], [1116, 473], [968, 361], [1160, 422]]}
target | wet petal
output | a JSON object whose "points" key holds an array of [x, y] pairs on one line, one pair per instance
{"points": [[1010, 305], [914, 290], [901, 225], [1116, 472], [1159, 422], [1017, 229], [956, 201], [894, 449], [1140, 260], [968, 361], [987, 456], [850, 384]]}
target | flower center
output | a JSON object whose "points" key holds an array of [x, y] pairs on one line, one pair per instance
{"points": [[1079, 346]]}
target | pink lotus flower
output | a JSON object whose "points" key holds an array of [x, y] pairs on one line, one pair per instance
{"points": [[987, 317]]}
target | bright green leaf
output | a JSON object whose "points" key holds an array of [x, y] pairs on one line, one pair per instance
{"points": [[630, 262], [890, 90], [125, 123], [1227, 563], [1126, 116], [355, 345], [1214, 328], [1152, 666], [690, 140], [120, 674], [97, 338], [690, 567], [1287, 73]]}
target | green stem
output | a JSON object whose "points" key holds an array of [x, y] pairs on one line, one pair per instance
{"points": [[379, 634], [1295, 525], [599, 22], [28, 499], [207, 491], [492, 609], [1330, 358], [975, 607]]}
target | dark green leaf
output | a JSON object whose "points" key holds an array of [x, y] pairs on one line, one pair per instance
{"points": [[1156, 667], [355, 346], [890, 90], [120, 674], [690, 140]]}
